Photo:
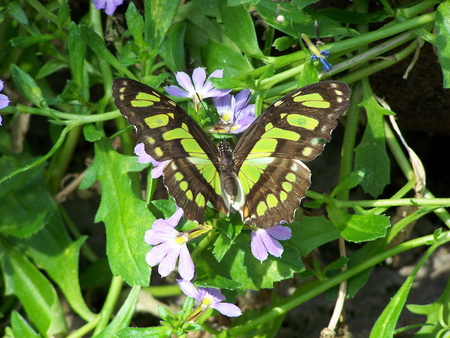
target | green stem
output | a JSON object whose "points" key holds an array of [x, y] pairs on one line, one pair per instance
{"points": [[351, 128], [42, 159], [420, 202], [110, 303]]}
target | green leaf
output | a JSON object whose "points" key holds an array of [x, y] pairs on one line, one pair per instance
{"points": [[96, 43], [350, 181], [34, 290], [240, 266], [135, 23], [27, 41], [16, 11], [172, 50], [300, 19], [22, 209], [91, 133], [28, 87], [311, 232], [159, 15], [239, 27], [218, 56], [77, 54], [21, 327], [371, 155], [126, 217], [443, 39], [283, 43], [28, 212], [153, 332], [50, 67], [358, 228], [386, 322], [123, 318], [437, 314]]}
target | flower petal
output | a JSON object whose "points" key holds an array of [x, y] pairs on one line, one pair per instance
{"points": [[167, 265], [227, 309], [185, 82], [280, 232], [157, 254], [189, 289], [272, 245], [257, 246], [199, 77], [186, 266], [175, 218], [176, 91]]}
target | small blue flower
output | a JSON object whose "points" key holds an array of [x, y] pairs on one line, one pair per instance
{"points": [[235, 114], [169, 244], [199, 88], [264, 241], [208, 298], [322, 58], [109, 5]]}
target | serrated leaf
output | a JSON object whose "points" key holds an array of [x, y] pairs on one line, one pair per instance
{"points": [[371, 155], [443, 40], [126, 217], [358, 228]]}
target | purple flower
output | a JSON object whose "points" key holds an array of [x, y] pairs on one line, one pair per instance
{"points": [[235, 114], [143, 157], [208, 298], [265, 241], [4, 100], [196, 89], [169, 244], [322, 58], [109, 5]]}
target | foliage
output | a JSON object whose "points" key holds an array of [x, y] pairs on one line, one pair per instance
{"points": [[58, 64]]}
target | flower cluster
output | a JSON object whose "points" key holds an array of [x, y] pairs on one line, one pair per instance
{"points": [[4, 100]]}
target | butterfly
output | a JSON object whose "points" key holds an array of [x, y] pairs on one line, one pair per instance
{"points": [[263, 177]]}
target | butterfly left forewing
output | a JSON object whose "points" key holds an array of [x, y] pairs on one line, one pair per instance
{"points": [[170, 134], [269, 153]]}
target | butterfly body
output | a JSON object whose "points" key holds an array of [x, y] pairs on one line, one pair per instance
{"points": [[263, 177]]}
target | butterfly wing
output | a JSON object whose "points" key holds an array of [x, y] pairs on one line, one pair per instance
{"points": [[269, 154], [170, 134]]}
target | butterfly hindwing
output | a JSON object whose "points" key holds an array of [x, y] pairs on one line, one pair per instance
{"points": [[170, 134], [270, 152]]}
